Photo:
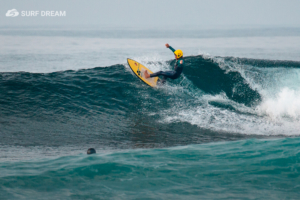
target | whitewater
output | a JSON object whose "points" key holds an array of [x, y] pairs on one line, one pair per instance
{"points": [[228, 128]]}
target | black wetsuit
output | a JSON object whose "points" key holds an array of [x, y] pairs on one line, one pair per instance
{"points": [[171, 74]]}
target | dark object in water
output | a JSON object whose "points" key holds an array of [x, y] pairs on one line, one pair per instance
{"points": [[91, 151]]}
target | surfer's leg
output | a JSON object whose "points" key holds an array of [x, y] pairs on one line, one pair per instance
{"points": [[156, 74], [167, 74]]}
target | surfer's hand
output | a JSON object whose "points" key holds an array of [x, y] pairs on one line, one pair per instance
{"points": [[167, 45]]}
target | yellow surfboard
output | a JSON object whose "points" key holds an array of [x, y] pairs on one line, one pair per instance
{"points": [[139, 69]]}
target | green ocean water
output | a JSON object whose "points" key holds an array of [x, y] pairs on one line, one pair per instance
{"points": [[228, 128], [246, 169]]}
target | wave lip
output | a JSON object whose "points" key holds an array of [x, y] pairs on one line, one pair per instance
{"points": [[210, 77]]}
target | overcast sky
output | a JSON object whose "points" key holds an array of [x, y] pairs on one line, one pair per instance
{"points": [[177, 14]]}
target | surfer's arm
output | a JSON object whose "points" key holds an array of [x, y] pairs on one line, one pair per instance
{"points": [[168, 46], [181, 63], [171, 49]]}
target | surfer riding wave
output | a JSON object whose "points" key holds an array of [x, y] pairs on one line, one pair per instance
{"points": [[170, 74]]}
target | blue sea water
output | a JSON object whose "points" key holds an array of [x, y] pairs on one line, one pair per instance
{"points": [[228, 128], [244, 169]]}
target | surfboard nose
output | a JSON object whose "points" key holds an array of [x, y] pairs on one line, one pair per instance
{"points": [[139, 69]]}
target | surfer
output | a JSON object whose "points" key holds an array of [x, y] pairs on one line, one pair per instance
{"points": [[170, 74]]}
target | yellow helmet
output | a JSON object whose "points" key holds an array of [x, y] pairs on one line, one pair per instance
{"points": [[178, 53]]}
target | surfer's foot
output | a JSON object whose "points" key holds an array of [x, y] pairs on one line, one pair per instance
{"points": [[146, 74]]}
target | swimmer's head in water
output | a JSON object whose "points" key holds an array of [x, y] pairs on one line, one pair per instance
{"points": [[91, 151]]}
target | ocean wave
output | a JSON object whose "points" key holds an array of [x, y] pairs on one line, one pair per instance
{"points": [[231, 95]]}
